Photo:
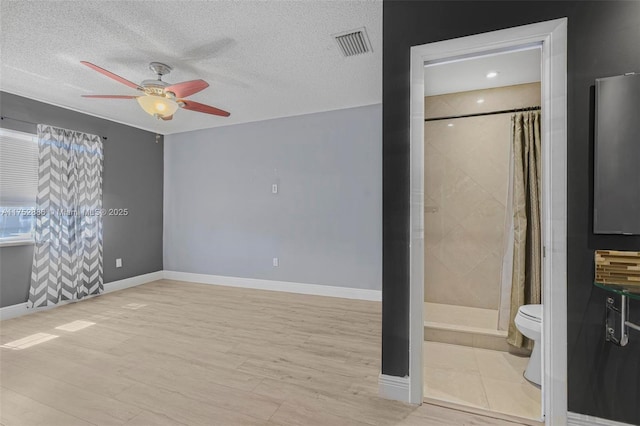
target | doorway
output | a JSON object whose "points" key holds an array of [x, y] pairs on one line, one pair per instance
{"points": [[475, 111], [551, 37]]}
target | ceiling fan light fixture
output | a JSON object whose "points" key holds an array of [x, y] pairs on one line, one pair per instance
{"points": [[161, 99], [158, 105]]}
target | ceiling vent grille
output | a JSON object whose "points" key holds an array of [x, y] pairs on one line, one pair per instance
{"points": [[354, 42]]}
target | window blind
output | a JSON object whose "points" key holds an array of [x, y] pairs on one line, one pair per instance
{"points": [[18, 168]]}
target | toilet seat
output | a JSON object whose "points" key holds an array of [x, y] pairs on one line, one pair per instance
{"points": [[531, 312]]}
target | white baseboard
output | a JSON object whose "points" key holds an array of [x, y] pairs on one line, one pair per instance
{"points": [[289, 287], [393, 387], [575, 419], [13, 311], [133, 281], [314, 289], [20, 309]]}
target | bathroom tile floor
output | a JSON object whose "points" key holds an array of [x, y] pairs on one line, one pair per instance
{"points": [[479, 378]]}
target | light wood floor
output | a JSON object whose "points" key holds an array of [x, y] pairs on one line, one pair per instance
{"points": [[173, 353]]}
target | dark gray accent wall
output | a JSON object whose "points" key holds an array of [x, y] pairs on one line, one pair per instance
{"points": [[604, 380], [221, 217], [132, 179], [15, 273]]}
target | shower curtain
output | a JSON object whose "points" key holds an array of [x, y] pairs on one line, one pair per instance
{"points": [[525, 226], [67, 257]]}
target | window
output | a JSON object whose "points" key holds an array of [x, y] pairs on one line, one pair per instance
{"points": [[18, 185]]}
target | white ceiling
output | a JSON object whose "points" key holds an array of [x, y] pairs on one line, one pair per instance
{"points": [[514, 67], [262, 59]]}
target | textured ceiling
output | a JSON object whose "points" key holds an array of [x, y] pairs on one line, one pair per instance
{"points": [[262, 59]]}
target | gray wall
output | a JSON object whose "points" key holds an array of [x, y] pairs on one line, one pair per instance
{"points": [[133, 179], [324, 224], [15, 271]]}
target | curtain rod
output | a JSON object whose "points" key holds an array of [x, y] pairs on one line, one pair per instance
{"points": [[504, 111], [4, 117]]}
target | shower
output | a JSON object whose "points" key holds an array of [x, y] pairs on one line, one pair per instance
{"points": [[469, 208]]}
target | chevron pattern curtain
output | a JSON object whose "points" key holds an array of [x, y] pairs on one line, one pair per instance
{"points": [[67, 257]]}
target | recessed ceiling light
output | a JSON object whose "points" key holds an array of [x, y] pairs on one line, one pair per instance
{"points": [[480, 101], [450, 125], [492, 74]]}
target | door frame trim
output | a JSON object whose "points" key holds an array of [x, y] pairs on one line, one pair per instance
{"points": [[552, 35]]}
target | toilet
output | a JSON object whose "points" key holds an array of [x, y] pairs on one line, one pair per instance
{"points": [[529, 322]]}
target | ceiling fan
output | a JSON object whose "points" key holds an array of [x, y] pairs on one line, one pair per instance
{"points": [[161, 99]]}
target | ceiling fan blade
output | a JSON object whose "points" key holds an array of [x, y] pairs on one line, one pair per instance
{"points": [[207, 109], [187, 88], [111, 75], [110, 96], [167, 118]]}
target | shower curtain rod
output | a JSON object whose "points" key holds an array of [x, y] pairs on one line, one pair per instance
{"points": [[504, 111], [4, 117]]}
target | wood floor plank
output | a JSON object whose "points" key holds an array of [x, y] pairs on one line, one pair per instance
{"points": [[182, 409], [434, 415], [199, 386], [147, 418], [20, 410], [100, 380], [176, 353], [302, 414], [77, 402]]}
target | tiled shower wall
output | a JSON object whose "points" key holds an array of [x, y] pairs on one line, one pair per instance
{"points": [[466, 183]]}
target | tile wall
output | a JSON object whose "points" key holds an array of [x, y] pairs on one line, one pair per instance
{"points": [[466, 183]]}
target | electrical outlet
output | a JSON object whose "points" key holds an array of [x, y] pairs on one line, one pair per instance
{"points": [[274, 188], [118, 263], [276, 262]]}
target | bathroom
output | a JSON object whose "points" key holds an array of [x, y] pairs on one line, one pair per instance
{"points": [[482, 250]]}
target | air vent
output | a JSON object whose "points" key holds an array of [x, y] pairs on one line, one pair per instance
{"points": [[354, 42]]}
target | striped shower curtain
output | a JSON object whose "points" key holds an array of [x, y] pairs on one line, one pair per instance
{"points": [[67, 257]]}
